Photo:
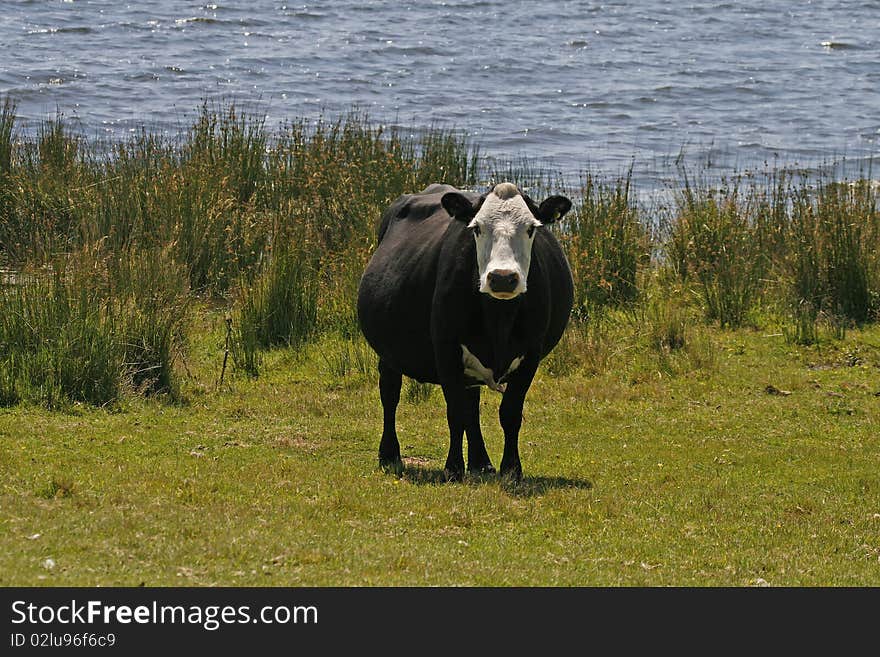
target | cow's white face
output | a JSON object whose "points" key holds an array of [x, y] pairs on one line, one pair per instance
{"points": [[504, 225], [504, 229]]}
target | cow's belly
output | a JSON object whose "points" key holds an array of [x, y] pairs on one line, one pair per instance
{"points": [[415, 359], [396, 324]]}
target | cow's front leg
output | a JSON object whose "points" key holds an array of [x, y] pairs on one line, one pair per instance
{"points": [[510, 414], [451, 373]]}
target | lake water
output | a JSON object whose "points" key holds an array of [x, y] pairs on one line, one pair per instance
{"points": [[573, 85]]}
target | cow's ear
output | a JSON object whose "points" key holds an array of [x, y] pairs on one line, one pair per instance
{"points": [[458, 206], [553, 209]]}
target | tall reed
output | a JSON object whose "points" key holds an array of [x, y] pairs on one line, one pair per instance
{"points": [[56, 342], [847, 218], [606, 243], [833, 263], [91, 327], [7, 135], [150, 297], [7, 132], [279, 308], [715, 241]]}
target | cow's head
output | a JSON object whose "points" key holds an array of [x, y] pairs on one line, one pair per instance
{"points": [[504, 223]]}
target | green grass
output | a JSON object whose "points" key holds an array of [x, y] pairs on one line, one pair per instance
{"points": [[760, 467]]}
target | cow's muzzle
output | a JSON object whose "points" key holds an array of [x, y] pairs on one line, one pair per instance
{"points": [[502, 281]]}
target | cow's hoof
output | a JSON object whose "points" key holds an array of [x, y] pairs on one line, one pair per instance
{"points": [[481, 469], [392, 466], [453, 474], [511, 473]]}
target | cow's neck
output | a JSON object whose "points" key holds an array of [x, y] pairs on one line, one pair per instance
{"points": [[499, 318]]}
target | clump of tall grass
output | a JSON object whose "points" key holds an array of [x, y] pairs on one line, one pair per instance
{"points": [[676, 341], [89, 328], [39, 212], [228, 144], [245, 347], [443, 155], [832, 264], [278, 308], [343, 357], [57, 342], [592, 345], [7, 132], [605, 243], [714, 240], [334, 179], [7, 135], [848, 218], [149, 294], [808, 244], [806, 287]]}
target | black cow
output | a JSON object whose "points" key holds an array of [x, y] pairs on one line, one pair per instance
{"points": [[465, 290]]}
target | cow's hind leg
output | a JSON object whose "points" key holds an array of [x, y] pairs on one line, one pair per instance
{"points": [[478, 457], [390, 382]]}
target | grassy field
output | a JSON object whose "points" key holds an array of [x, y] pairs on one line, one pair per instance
{"points": [[185, 398], [748, 462]]}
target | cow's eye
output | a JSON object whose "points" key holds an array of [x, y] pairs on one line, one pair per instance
{"points": [[477, 230], [531, 231]]}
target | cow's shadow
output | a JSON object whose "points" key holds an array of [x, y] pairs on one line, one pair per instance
{"points": [[528, 486]]}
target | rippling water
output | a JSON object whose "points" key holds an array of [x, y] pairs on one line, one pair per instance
{"points": [[576, 85]]}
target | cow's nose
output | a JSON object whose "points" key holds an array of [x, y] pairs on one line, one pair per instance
{"points": [[503, 280]]}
